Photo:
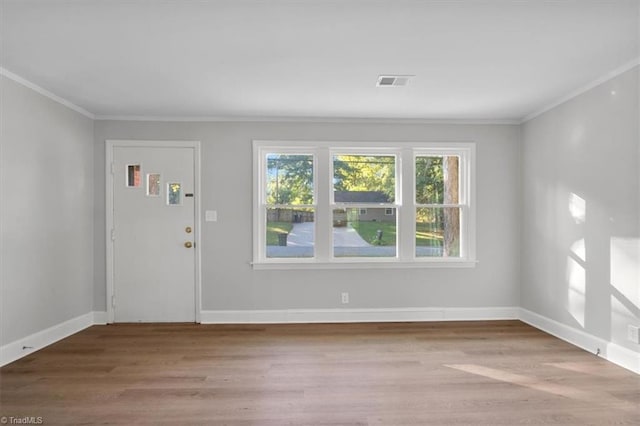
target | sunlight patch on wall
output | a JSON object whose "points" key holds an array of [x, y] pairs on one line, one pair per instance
{"points": [[578, 249], [576, 274], [621, 315], [625, 268], [577, 279], [577, 208]]}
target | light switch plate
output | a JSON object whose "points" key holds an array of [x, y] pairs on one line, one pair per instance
{"points": [[211, 216], [633, 333]]}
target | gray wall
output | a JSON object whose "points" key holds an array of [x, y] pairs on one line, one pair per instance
{"points": [[584, 272], [229, 282], [46, 212], [535, 178]]}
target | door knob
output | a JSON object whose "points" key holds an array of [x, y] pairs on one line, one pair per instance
{"points": [[188, 244]]}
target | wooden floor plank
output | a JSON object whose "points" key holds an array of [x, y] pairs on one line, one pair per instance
{"points": [[449, 373]]}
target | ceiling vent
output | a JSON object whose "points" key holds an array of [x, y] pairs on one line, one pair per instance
{"points": [[393, 80]]}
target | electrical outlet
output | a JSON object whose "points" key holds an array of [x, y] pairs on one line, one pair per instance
{"points": [[633, 333], [345, 298]]}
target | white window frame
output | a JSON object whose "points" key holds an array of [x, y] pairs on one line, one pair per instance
{"points": [[404, 205], [260, 211], [364, 150], [466, 157]]}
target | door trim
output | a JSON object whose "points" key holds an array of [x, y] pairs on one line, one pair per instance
{"points": [[110, 145]]}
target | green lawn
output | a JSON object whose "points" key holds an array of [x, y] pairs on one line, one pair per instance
{"points": [[368, 231], [275, 228], [424, 235]]}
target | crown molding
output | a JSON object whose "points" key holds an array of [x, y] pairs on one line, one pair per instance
{"points": [[44, 92], [608, 76], [292, 119]]}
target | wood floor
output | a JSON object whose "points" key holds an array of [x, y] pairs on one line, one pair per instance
{"points": [[454, 373]]}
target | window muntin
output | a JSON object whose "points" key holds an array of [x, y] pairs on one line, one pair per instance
{"points": [[417, 225]]}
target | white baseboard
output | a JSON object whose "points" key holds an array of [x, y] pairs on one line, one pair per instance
{"points": [[100, 318], [572, 335], [356, 315], [612, 352], [623, 357], [36, 341]]}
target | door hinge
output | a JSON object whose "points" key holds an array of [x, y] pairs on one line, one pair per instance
{"points": [[113, 300], [113, 168], [113, 235]]}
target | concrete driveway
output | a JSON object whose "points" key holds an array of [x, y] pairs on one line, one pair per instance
{"points": [[347, 243], [301, 235], [346, 236]]}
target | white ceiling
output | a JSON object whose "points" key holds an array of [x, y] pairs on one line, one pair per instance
{"points": [[473, 60]]}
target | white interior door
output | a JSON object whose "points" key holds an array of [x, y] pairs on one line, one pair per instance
{"points": [[153, 235]]}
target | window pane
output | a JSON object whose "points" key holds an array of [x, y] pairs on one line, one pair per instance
{"points": [[134, 178], [153, 184], [368, 234], [290, 232], [174, 194], [364, 179], [438, 232], [289, 179], [437, 180]]}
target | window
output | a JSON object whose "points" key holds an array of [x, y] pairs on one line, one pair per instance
{"points": [[289, 205], [153, 184], [438, 207], [327, 204], [174, 194], [133, 175], [363, 179]]}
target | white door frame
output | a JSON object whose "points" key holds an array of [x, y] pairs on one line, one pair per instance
{"points": [[110, 145]]}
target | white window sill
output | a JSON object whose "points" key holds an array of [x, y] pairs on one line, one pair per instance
{"points": [[364, 264]]}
